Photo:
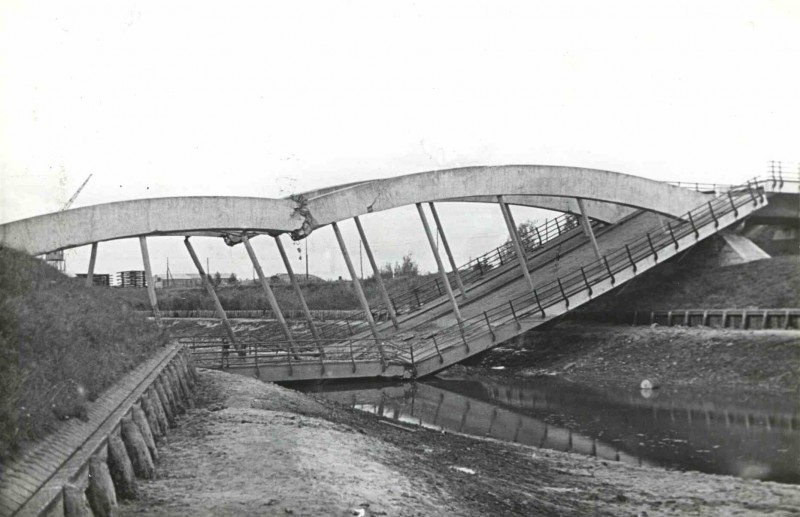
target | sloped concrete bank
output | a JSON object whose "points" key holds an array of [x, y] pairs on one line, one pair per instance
{"points": [[85, 468]]}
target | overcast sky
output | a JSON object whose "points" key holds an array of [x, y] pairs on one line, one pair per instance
{"points": [[269, 98]]}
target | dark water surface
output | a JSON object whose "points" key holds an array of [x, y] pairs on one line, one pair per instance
{"points": [[719, 435]]}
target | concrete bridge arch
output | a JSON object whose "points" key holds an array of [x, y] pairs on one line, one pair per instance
{"points": [[608, 197]]}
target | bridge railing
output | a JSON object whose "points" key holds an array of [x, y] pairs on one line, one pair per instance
{"points": [[413, 299], [219, 353], [535, 304], [779, 177]]}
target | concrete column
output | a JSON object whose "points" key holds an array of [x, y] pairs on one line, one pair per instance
{"points": [[90, 272], [273, 303], [512, 231], [211, 292], [587, 229], [148, 273], [440, 266], [453, 266], [296, 286], [377, 272], [356, 284]]}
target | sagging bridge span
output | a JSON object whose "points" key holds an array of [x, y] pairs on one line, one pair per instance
{"points": [[615, 226]]}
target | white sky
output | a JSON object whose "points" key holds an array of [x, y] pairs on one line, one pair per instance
{"points": [[268, 98]]}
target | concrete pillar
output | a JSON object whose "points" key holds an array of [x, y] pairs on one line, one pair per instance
{"points": [[141, 421], [90, 272], [587, 229], [273, 302], [440, 266], [211, 292], [138, 453], [120, 467], [75, 502], [296, 286], [512, 231], [359, 291], [148, 273], [453, 266], [377, 272], [101, 493]]}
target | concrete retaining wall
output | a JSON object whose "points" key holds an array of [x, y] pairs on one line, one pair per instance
{"points": [[103, 467]]}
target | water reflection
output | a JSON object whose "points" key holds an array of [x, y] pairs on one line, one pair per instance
{"points": [[662, 429]]}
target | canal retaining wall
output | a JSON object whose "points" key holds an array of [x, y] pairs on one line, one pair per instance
{"points": [[86, 466], [753, 319]]}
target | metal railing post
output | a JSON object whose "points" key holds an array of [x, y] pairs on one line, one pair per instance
{"points": [[563, 294], [652, 248], [586, 281], [489, 325], [630, 258], [608, 268], [672, 234]]}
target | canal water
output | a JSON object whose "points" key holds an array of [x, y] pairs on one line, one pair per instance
{"points": [[756, 440]]}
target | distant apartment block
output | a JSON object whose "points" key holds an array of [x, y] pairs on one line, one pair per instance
{"points": [[98, 280], [131, 279]]}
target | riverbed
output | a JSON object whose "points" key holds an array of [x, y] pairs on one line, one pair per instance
{"points": [[750, 437]]}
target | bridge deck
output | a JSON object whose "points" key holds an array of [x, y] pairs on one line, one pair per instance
{"points": [[500, 304]]}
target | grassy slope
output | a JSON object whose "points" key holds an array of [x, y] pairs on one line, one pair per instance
{"points": [[61, 344], [696, 282]]}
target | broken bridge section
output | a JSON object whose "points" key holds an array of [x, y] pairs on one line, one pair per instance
{"points": [[567, 267]]}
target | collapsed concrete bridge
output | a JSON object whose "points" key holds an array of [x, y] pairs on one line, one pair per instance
{"points": [[615, 227]]}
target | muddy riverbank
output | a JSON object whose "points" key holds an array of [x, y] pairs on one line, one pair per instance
{"points": [[251, 448], [743, 362]]}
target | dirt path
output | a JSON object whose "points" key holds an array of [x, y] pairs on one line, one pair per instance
{"points": [[252, 448]]}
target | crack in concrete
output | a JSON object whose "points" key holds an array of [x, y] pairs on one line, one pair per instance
{"points": [[309, 223]]}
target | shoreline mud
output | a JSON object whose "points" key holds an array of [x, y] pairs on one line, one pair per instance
{"points": [[253, 448]]}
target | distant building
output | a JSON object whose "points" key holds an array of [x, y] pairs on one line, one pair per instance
{"points": [[98, 280], [177, 280], [283, 278], [131, 279]]}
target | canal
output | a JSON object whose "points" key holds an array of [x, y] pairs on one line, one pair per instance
{"points": [[675, 430]]}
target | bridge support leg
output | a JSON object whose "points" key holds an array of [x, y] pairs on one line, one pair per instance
{"points": [[273, 303], [359, 291], [148, 272], [512, 231], [377, 272], [440, 266], [587, 229], [297, 291], [90, 271], [453, 266], [210, 288]]}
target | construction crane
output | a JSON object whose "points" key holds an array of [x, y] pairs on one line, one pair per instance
{"points": [[56, 258]]}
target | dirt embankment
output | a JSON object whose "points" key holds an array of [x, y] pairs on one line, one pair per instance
{"points": [[715, 359], [694, 280], [252, 448]]}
